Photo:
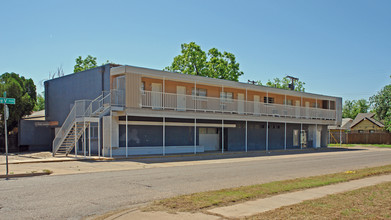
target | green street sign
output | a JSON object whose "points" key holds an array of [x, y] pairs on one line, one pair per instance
{"points": [[9, 101]]}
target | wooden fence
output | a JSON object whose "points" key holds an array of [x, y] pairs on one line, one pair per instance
{"points": [[360, 138]]}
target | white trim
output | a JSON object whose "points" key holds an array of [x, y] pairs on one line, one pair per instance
{"points": [[187, 124]]}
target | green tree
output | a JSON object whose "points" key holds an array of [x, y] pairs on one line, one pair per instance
{"points": [[40, 104], [24, 92], [194, 61], [84, 64], [284, 83], [381, 105], [352, 108]]}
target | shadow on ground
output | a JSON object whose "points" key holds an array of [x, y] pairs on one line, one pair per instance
{"points": [[151, 159]]}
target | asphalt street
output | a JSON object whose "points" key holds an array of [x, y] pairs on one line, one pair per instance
{"points": [[80, 195]]}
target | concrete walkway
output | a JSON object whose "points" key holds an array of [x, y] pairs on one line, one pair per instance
{"points": [[251, 208], [36, 162]]}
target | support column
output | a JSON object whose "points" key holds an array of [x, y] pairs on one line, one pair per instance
{"points": [[126, 135], [267, 136], [195, 136], [316, 135], [301, 130], [89, 140], [245, 106], [246, 137], [340, 137], [195, 96], [75, 139], [285, 138], [222, 135], [111, 133], [267, 103], [164, 136], [84, 138], [163, 93], [99, 138]]}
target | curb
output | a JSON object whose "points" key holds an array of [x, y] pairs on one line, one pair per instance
{"points": [[168, 156], [25, 175]]}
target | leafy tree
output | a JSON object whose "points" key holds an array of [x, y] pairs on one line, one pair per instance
{"points": [[284, 83], [24, 92], [40, 104], [84, 64], [194, 61], [352, 108], [381, 103]]}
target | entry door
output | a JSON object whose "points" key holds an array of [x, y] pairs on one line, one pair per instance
{"points": [[119, 95], [240, 103], [181, 98], [307, 109], [297, 112], [156, 96], [256, 104], [318, 138]]}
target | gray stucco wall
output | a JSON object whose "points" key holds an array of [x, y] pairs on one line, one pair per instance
{"points": [[62, 92], [36, 138]]}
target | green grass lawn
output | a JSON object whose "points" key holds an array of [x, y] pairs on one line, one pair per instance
{"points": [[371, 202], [206, 200], [364, 145]]}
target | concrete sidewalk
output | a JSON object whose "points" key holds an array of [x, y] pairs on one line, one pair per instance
{"points": [[251, 208], [37, 162]]}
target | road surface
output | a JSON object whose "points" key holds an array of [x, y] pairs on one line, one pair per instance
{"points": [[80, 195]]}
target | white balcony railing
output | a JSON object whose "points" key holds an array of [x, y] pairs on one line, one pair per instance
{"points": [[179, 102]]}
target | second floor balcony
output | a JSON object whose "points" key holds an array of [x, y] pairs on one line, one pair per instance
{"points": [[224, 105]]}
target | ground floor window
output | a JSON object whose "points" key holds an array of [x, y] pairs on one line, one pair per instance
{"points": [[295, 137]]}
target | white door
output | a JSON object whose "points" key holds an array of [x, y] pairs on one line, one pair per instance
{"points": [[318, 137], [181, 98], [240, 103], [307, 109], [119, 94], [297, 112], [156, 96], [256, 105]]}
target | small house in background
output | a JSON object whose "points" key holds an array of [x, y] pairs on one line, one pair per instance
{"points": [[365, 123], [345, 126]]}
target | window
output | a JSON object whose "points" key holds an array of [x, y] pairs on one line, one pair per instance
{"points": [[226, 96], [199, 93], [142, 87], [295, 137], [94, 132], [268, 99], [288, 102], [313, 105]]}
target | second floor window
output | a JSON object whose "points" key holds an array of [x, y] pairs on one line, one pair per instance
{"points": [[288, 102], [226, 96], [268, 100], [199, 93]]}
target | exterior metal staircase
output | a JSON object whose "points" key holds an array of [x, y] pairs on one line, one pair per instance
{"points": [[83, 113]]}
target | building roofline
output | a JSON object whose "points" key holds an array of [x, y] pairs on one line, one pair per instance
{"points": [[229, 83]]}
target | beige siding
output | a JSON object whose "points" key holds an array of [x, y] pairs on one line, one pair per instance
{"points": [[133, 92], [366, 125]]}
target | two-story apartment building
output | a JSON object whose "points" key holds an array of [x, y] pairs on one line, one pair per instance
{"points": [[130, 110]]}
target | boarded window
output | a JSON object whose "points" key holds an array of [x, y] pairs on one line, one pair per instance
{"points": [[268, 99]]}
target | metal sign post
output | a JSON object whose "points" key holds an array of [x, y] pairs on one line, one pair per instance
{"points": [[6, 115]]}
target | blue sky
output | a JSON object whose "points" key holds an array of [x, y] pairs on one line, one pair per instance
{"points": [[339, 48]]}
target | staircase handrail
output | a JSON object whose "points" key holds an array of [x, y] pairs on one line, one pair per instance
{"points": [[60, 135]]}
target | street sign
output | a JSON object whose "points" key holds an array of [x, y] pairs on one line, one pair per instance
{"points": [[9, 101]]}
